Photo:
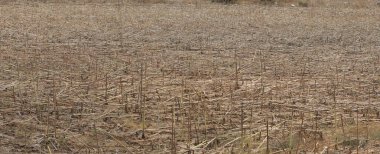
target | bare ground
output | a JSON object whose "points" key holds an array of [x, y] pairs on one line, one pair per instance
{"points": [[181, 78]]}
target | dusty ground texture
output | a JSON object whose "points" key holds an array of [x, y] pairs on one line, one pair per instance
{"points": [[144, 78]]}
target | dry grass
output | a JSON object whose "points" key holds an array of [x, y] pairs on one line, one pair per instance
{"points": [[210, 78], [308, 3]]}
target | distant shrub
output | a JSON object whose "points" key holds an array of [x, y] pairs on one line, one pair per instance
{"points": [[267, 2], [153, 1], [224, 1], [303, 3]]}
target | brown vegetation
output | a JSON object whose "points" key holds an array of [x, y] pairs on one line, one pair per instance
{"points": [[210, 78]]}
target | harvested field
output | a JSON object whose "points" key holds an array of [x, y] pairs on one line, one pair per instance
{"points": [[188, 78]]}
